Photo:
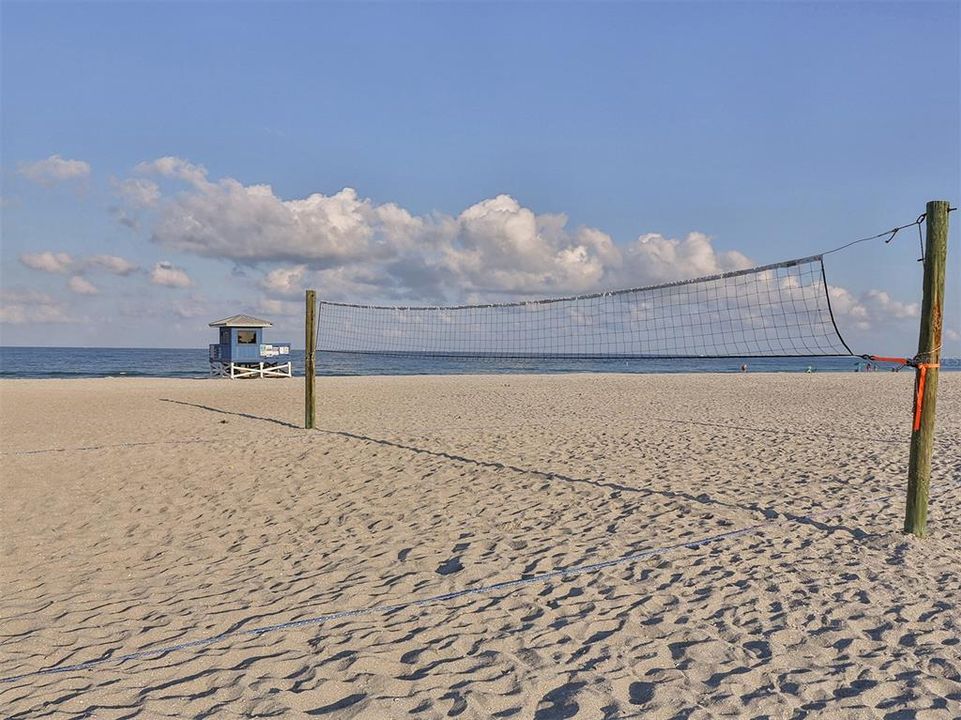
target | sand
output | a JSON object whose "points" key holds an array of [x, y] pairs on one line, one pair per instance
{"points": [[192, 521]]}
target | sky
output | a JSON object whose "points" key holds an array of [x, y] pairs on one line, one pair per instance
{"points": [[166, 165]]}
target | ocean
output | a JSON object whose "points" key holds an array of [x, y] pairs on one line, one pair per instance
{"points": [[53, 362]]}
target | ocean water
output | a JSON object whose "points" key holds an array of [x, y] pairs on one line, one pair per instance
{"points": [[52, 362]]}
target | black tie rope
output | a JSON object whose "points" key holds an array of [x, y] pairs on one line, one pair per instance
{"points": [[888, 236]]}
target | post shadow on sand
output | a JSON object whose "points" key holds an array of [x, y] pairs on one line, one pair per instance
{"points": [[702, 498], [232, 412]]}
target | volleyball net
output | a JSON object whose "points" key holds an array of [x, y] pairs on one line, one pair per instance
{"points": [[778, 310]]}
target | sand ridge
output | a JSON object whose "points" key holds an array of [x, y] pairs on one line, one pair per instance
{"points": [[420, 486]]}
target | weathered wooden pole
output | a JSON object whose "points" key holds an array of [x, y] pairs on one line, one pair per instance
{"points": [[928, 360], [310, 344]]}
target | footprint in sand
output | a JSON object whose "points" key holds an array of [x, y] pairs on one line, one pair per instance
{"points": [[450, 566], [640, 692]]}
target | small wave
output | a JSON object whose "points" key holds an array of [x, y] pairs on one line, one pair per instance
{"points": [[80, 374]]}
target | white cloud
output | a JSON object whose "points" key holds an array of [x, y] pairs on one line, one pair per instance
{"points": [[272, 306], [63, 263], [22, 306], [168, 275], [349, 244], [658, 259], [352, 247], [250, 224], [497, 245], [883, 305], [287, 281], [869, 310], [82, 286], [112, 264], [174, 167], [846, 305], [54, 169], [137, 192], [191, 307], [47, 261]]}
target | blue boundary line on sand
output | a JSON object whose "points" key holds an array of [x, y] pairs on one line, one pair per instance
{"points": [[435, 599]]}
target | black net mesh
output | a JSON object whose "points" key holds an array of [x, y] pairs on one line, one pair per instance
{"points": [[775, 310]]}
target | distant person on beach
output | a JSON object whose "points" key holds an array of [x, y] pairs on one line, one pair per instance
{"points": [[744, 367]]}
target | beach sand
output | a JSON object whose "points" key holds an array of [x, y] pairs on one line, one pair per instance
{"points": [[197, 518]]}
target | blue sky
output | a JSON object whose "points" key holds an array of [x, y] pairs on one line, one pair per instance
{"points": [[205, 147]]}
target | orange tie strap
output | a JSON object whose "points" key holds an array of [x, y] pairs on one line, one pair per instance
{"points": [[897, 361], [919, 394], [921, 370]]}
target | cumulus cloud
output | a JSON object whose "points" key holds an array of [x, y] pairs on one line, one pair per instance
{"points": [[47, 261], [251, 224], [63, 263], [351, 243], [112, 264], [174, 167], [137, 192], [498, 245], [274, 307], [82, 286], [22, 306], [886, 306], [168, 275], [136, 195], [870, 309], [53, 170], [846, 305], [352, 247], [193, 306], [287, 281], [658, 259]]}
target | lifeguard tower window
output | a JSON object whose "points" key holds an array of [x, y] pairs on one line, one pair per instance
{"points": [[246, 337]]}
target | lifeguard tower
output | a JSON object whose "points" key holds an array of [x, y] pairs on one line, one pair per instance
{"points": [[242, 352]]}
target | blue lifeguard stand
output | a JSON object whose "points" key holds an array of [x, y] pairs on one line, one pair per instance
{"points": [[242, 352]]}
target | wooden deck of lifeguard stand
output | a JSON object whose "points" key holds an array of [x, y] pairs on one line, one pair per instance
{"points": [[242, 352]]}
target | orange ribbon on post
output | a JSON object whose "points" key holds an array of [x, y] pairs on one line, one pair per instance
{"points": [[922, 371]]}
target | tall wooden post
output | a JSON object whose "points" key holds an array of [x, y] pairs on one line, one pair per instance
{"points": [[310, 370], [926, 379]]}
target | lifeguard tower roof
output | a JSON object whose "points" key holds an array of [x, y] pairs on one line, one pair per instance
{"points": [[242, 321]]}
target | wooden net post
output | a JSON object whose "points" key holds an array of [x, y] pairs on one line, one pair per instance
{"points": [[310, 370], [928, 361]]}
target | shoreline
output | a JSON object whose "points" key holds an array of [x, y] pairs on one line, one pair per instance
{"points": [[117, 364]]}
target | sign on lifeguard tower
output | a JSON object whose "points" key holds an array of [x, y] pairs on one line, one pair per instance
{"points": [[242, 352]]}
